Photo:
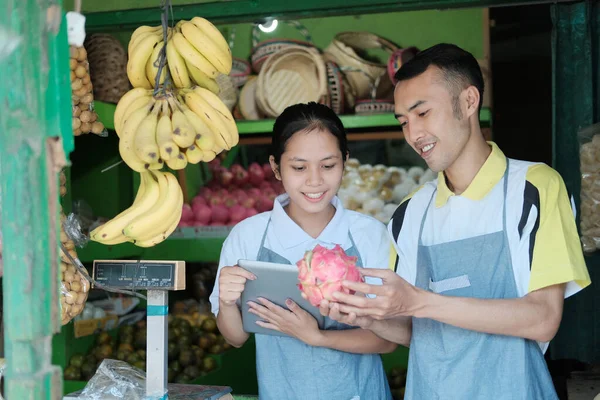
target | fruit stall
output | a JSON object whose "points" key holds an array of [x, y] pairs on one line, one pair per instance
{"points": [[148, 132]]}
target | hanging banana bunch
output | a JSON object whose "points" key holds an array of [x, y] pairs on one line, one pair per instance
{"points": [[172, 116]]}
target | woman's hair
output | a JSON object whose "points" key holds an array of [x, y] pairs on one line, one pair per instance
{"points": [[306, 117]]}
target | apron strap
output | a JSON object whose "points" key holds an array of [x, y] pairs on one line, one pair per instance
{"points": [[262, 241], [359, 260], [425, 217], [505, 194]]}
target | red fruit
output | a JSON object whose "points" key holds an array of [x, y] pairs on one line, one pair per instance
{"points": [[205, 193], [217, 224], [225, 177], [254, 192], [199, 200], [187, 214], [183, 224], [240, 175], [220, 214], [237, 213], [229, 201], [268, 171], [265, 185], [256, 173], [239, 194], [248, 202], [215, 200], [264, 204], [250, 212], [271, 195], [202, 214]]}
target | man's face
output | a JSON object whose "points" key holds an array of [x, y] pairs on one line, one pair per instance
{"points": [[433, 120]]}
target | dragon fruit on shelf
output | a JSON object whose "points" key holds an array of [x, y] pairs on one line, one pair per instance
{"points": [[322, 271]]}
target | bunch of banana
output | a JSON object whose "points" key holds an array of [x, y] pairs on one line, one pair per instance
{"points": [[153, 216], [173, 127], [196, 54]]}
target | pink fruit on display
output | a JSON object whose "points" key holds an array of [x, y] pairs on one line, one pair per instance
{"points": [[322, 271]]}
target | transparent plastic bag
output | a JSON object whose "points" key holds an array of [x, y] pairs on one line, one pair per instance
{"points": [[589, 156], [85, 118], [115, 379], [74, 286]]}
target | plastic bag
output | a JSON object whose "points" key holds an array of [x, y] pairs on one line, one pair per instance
{"points": [[85, 119], [74, 286], [115, 379], [589, 155]]}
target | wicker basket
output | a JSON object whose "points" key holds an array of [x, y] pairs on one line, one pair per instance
{"points": [[361, 73], [108, 67], [247, 103], [335, 88], [262, 50], [295, 74], [399, 58], [240, 70]]}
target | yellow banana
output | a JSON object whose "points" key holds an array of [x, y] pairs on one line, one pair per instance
{"points": [[157, 165], [144, 142], [211, 117], [126, 100], [205, 46], [142, 31], [112, 230], [141, 191], [126, 145], [179, 73], [164, 135], [205, 138], [174, 222], [177, 163], [222, 109], [152, 65], [135, 105], [136, 65], [183, 132], [156, 219], [215, 36], [201, 79], [189, 53], [193, 154], [208, 155]]}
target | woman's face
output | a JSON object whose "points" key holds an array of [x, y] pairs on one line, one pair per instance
{"points": [[311, 169]]}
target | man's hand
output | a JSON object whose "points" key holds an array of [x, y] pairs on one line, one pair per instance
{"points": [[395, 297], [332, 310]]}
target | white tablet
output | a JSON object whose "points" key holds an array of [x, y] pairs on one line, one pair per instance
{"points": [[276, 283]]}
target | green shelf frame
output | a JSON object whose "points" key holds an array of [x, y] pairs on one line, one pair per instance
{"points": [[108, 16], [188, 249], [106, 111]]}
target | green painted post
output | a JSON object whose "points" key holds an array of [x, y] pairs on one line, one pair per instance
{"points": [[35, 100]]}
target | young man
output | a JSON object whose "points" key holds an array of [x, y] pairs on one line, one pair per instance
{"points": [[486, 253]]}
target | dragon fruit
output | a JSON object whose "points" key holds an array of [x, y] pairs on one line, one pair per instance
{"points": [[322, 271]]}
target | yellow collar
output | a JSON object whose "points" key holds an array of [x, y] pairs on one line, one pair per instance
{"points": [[488, 176]]}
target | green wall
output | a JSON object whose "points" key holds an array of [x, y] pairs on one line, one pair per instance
{"points": [[412, 28]]}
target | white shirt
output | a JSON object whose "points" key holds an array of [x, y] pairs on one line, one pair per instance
{"points": [[287, 239]]}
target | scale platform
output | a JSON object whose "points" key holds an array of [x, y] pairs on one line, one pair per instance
{"points": [[180, 392]]}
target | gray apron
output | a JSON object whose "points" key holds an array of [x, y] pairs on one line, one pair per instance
{"points": [[290, 369], [447, 362]]}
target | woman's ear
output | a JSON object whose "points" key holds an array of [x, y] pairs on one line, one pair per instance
{"points": [[275, 168]]}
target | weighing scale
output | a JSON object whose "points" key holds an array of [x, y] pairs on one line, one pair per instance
{"points": [[158, 278]]}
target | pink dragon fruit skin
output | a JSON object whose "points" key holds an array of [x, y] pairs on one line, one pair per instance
{"points": [[322, 270]]}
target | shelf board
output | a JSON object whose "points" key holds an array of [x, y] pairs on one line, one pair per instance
{"points": [[190, 249], [106, 111], [107, 16]]}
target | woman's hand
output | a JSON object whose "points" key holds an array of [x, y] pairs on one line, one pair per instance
{"points": [[296, 322], [231, 284]]}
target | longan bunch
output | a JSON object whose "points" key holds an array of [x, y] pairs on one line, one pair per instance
{"points": [[85, 119]]}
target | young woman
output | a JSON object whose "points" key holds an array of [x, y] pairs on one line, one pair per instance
{"points": [[309, 148]]}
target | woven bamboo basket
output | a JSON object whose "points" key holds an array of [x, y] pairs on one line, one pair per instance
{"points": [[361, 73], [295, 74], [108, 67]]}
